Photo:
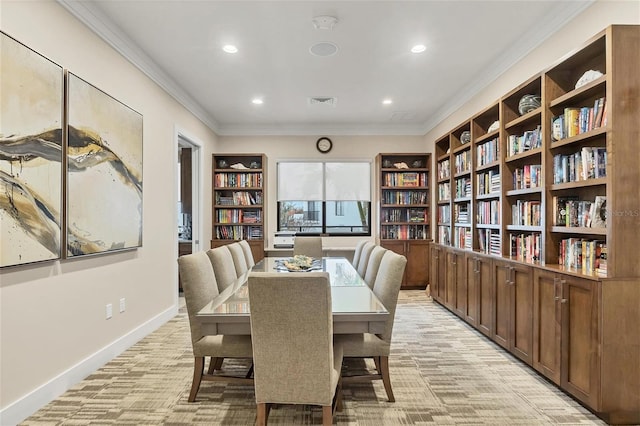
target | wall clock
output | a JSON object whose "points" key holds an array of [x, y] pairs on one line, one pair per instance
{"points": [[324, 145]]}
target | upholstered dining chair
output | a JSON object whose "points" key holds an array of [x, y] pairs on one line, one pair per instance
{"points": [[223, 266], [199, 286], [295, 360], [248, 254], [239, 259], [373, 265], [364, 258], [356, 253], [308, 246], [377, 346]]}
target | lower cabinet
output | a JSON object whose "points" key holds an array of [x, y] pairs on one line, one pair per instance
{"points": [[513, 308], [416, 274], [580, 332]]}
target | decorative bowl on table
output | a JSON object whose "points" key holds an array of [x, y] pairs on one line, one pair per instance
{"points": [[299, 263], [528, 103]]}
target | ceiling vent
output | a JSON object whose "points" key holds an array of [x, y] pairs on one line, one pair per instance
{"points": [[323, 101]]}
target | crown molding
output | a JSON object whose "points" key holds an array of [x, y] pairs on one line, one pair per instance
{"points": [[97, 22], [352, 129]]}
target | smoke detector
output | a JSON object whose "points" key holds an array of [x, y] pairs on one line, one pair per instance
{"points": [[322, 101], [324, 22]]}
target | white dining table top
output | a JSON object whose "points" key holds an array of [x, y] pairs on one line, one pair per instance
{"points": [[355, 307]]}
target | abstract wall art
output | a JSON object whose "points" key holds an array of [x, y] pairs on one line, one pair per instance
{"points": [[104, 172], [31, 114]]}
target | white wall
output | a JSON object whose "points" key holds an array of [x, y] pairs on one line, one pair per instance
{"points": [[304, 147], [52, 315]]}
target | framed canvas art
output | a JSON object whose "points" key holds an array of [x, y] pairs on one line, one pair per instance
{"points": [[104, 172], [31, 170]]}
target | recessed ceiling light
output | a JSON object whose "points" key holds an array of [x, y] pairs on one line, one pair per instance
{"points": [[257, 101], [387, 102], [323, 48], [418, 48], [230, 48]]}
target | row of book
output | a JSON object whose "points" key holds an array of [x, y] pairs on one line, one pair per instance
{"points": [[488, 152], [488, 182], [572, 212], [444, 214], [444, 169], [588, 163], [488, 212], [404, 232], [238, 216], [526, 213], [239, 232], [531, 139], [461, 213], [463, 187], [489, 241], [444, 191], [574, 121], [239, 198], [238, 180], [525, 247], [444, 235], [405, 197], [462, 161], [529, 176], [584, 255], [463, 237], [405, 179], [404, 215]]}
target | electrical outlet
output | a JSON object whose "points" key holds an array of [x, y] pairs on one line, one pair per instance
{"points": [[109, 310], [122, 305]]}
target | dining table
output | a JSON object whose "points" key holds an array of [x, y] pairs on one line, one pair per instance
{"points": [[355, 307]]}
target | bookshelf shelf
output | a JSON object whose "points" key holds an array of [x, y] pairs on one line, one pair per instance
{"points": [[526, 191], [404, 223], [238, 200], [532, 116], [524, 155], [584, 92], [578, 230], [582, 137], [578, 184]]}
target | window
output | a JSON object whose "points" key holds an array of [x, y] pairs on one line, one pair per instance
{"points": [[324, 198]]}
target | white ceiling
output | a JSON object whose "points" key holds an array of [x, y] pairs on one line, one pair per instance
{"points": [[469, 44]]}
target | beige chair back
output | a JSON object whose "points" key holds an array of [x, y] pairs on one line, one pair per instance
{"points": [[248, 254], [292, 335], [239, 259], [373, 265], [199, 286], [364, 258], [387, 286], [356, 253], [308, 246], [223, 266]]}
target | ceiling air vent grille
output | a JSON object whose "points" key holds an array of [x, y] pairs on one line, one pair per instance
{"points": [[323, 101]]}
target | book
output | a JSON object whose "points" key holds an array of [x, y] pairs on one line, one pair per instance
{"points": [[598, 212], [560, 212]]}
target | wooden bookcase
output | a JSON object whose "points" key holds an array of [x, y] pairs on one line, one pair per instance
{"points": [[404, 213], [239, 182], [577, 326]]}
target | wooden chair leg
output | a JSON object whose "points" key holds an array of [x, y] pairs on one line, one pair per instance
{"points": [[376, 360], [338, 396], [384, 371], [327, 415], [212, 365], [262, 414], [198, 368], [250, 372], [219, 362]]}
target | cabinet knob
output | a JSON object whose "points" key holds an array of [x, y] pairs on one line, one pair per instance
{"points": [[564, 301], [556, 298]]}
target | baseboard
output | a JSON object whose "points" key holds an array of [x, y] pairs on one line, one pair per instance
{"points": [[32, 402]]}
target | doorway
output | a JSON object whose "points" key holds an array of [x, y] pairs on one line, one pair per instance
{"points": [[188, 196]]}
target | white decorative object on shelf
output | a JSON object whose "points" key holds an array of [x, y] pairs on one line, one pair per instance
{"points": [[588, 77], [494, 126], [239, 166]]}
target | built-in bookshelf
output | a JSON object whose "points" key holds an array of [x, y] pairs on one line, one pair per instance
{"points": [[238, 200], [405, 213], [443, 195], [556, 189]]}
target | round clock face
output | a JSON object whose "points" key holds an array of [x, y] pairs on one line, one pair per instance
{"points": [[324, 145]]}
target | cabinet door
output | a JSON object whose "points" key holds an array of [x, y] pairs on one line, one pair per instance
{"points": [[580, 363], [502, 304], [473, 300], [435, 252], [546, 324], [450, 283], [486, 290], [441, 278], [521, 321], [417, 270], [460, 285]]}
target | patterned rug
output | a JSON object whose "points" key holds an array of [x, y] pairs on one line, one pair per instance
{"points": [[442, 371]]}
